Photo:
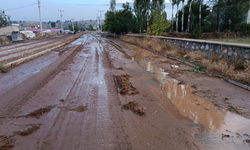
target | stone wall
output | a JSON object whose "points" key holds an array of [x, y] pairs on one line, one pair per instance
{"points": [[8, 30], [231, 51]]}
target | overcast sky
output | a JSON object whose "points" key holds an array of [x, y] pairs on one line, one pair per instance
{"points": [[73, 9]]}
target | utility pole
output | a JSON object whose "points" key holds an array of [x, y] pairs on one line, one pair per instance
{"points": [[97, 22], [101, 18], [39, 7], [73, 24], [61, 18]]}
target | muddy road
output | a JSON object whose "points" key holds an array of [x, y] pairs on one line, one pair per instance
{"points": [[101, 93]]}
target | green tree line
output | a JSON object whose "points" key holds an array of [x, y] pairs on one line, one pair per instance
{"points": [[193, 16]]}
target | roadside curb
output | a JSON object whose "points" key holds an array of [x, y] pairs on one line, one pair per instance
{"points": [[194, 66]]}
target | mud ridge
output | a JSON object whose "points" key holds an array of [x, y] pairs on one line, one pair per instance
{"points": [[6, 142], [79, 108], [28, 131], [134, 106], [125, 86], [39, 112], [120, 68]]}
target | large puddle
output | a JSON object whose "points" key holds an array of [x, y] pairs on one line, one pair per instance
{"points": [[213, 121]]}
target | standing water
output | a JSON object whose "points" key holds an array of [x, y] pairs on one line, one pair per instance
{"points": [[219, 128]]}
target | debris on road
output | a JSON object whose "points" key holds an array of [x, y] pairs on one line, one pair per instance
{"points": [[134, 106], [28, 131], [79, 108], [248, 141], [125, 86], [39, 112], [120, 68], [6, 142], [225, 136]]}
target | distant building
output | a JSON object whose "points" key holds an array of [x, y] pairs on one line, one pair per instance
{"points": [[33, 27], [15, 24]]}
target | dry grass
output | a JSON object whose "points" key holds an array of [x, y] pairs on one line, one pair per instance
{"points": [[154, 44], [238, 71], [3, 40], [70, 39], [196, 56], [38, 35]]}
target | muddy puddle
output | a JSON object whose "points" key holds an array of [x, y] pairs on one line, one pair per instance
{"points": [[217, 128]]}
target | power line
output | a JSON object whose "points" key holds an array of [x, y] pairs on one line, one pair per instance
{"points": [[21, 7]]}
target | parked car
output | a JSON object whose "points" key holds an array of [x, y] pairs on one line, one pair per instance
{"points": [[68, 32]]}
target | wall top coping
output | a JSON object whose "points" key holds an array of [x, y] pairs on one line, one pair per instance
{"points": [[194, 40]]}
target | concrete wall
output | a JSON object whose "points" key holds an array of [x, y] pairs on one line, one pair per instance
{"points": [[8, 30], [231, 51]]}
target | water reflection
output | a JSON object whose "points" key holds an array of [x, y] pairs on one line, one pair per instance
{"points": [[214, 121]]}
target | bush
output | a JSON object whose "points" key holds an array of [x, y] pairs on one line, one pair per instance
{"points": [[243, 28], [196, 32], [3, 69]]}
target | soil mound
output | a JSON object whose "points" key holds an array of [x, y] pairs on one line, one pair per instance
{"points": [[134, 106], [120, 68], [39, 112], [28, 131], [125, 86]]}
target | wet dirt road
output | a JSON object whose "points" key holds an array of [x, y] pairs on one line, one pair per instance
{"points": [[73, 98]]}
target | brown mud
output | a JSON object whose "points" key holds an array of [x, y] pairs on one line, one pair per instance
{"points": [[79, 108], [84, 78], [6, 143], [125, 86], [28, 131], [204, 100], [39, 112], [134, 107]]}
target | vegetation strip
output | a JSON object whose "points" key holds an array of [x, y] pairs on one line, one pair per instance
{"points": [[194, 66]]}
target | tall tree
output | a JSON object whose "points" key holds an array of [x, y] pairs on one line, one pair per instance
{"points": [[173, 2], [147, 2], [4, 19], [112, 5], [200, 2], [140, 9], [194, 18], [235, 12], [160, 23], [53, 24], [218, 8], [159, 5], [177, 3], [189, 14], [182, 21], [122, 21]]}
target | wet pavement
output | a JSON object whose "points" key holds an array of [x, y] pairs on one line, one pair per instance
{"points": [[218, 128], [68, 99], [80, 84]]}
